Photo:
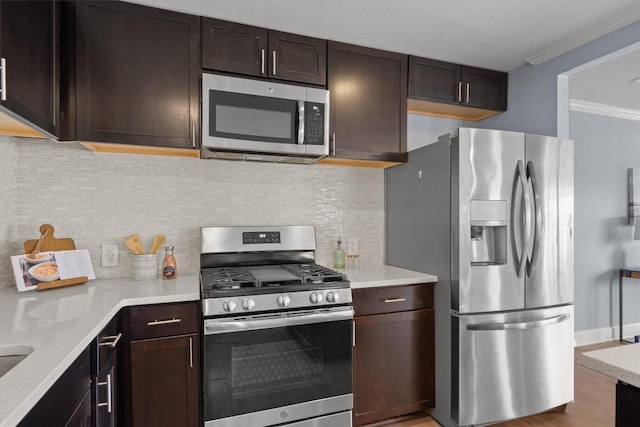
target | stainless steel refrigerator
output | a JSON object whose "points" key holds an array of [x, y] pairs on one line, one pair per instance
{"points": [[491, 214]]}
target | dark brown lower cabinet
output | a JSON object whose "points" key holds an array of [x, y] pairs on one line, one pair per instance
{"points": [[161, 366], [164, 381], [627, 405], [82, 415], [68, 401], [394, 358]]}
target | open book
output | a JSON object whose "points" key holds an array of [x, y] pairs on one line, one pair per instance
{"points": [[30, 270]]}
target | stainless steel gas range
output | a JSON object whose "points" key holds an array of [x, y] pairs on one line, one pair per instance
{"points": [[278, 330]]}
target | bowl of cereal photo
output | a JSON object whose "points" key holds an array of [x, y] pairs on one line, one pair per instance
{"points": [[45, 271], [39, 257]]}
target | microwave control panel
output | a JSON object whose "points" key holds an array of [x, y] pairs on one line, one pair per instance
{"points": [[313, 123]]}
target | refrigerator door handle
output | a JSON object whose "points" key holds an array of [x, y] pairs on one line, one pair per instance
{"points": [[537, 202], [518, 325], [517, 228]]}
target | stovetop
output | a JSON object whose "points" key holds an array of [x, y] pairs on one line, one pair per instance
{"points": [[260, 269], [266, 288], [261, 279]]}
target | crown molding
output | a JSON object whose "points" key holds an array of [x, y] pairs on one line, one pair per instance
{"points": [[604, 110], [585, 37]]}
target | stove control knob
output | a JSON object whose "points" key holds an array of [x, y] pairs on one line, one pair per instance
{"points": [[248, 304], [284, 300], [316, 297], [229, 306], [332, 297]]}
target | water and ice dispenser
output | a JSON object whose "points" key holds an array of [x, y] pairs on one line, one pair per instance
{"points": [[488, 242]]}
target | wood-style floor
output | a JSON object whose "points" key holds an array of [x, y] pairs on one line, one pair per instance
{"points": [[593, 406]]}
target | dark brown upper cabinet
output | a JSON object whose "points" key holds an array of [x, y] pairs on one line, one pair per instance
{"points": [[455, 91], [29, 48], [368, 117], [137, 75], [259, 52]]}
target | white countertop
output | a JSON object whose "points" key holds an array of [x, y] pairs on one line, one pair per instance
{"points": [[622, 362], [374, 275], [60, 323]]}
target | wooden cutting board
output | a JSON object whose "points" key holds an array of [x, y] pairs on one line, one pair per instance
{"points": [[51, 243]]}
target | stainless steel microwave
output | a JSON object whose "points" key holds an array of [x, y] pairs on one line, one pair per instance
{"points": [[246, 119]]}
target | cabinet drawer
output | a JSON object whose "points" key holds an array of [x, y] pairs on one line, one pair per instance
{"points": [[163, 320], [108, 341], [393, 298]]}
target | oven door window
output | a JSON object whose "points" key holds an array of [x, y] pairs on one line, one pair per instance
{"points": [[255, 370], [252, 117]]}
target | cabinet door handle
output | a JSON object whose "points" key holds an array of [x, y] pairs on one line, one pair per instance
{"points": [[468, 92], [164, 322], [113, 343], [274, 62], [109, 402], [333, 144], [3, 79], [193, 134], [353, 344], [459, 92], [262, 62], [190, 352], [396, 299]]}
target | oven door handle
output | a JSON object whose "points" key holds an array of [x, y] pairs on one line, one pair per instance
{"points": [[279, 320]]}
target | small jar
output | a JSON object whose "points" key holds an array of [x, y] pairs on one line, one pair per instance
{"points": [[169, 267]]}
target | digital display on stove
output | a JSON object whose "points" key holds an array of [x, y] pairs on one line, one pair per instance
{"points": [[254, 237]]}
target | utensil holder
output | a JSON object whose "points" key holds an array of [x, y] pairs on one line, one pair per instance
{"points": [[145, 267]]}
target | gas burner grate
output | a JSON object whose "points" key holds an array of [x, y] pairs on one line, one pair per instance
{"points": [[228, 278], [315, 273]]}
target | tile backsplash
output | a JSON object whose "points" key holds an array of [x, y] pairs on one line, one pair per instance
{"points": [[8, 206], [101, 198]]}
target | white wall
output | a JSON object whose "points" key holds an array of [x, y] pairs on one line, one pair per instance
{"points": [[101, 198], [533, 90], [424, 130], [605, 148]]}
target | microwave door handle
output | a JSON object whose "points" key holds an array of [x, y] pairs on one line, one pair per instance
{"points": [[301, 121]]}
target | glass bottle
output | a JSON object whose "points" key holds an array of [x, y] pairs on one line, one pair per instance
{"points": [[169, 267], [338, 256]]}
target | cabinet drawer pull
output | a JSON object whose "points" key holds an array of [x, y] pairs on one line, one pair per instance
{"points": [[113, 343], [164, 322], [389, 300], [193, 134]]}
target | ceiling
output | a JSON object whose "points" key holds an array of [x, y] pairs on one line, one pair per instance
{"points": [[495, 34]]}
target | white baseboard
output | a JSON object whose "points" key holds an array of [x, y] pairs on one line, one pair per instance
{"points": [[594, 336]]}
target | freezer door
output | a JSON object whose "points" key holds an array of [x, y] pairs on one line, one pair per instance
{"points": [[486, 236], [549, 267], [511, 365]]}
